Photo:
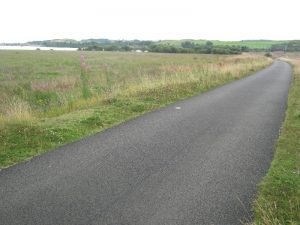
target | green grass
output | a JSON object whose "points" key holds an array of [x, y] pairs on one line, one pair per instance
{"points": [[43, 105], [278, 201], [257, 44]]}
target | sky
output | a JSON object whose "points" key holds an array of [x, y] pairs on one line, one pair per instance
{"points": [[28, 20]]}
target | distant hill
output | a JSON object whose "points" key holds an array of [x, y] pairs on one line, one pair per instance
{"points": [[172, 46], [252, 44]]}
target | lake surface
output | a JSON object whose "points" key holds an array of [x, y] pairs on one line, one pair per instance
{"points": [[8, 47]]}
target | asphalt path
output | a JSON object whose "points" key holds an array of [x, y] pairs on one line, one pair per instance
{"points": [[197, 161]]}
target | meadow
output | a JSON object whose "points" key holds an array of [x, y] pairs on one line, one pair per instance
{"points": [[50, 98], [257, 44]]}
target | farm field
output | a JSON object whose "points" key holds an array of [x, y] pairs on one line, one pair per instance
{"points": [[51, 98], [257, 44]]}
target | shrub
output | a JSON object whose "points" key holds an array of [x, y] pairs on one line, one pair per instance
{"points": [[268, 54]]}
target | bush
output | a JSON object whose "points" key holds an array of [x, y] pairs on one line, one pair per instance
{"points": [[268, 54]]}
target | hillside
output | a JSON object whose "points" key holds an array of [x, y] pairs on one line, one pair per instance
{"points": [[172, 46]]}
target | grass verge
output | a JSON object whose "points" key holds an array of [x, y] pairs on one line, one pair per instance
{"points": [[278, 201]]}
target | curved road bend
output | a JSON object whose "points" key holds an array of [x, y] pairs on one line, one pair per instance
{"points": [[195, 165]]}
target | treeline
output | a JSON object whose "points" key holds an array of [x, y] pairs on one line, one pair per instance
{"points": [[118, 45], [185, 47], [291, 46], [95, 44], [63, 43], [191, 47], [137, 45]]}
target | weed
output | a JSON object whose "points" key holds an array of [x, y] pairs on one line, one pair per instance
{"points": [[84, 77]]}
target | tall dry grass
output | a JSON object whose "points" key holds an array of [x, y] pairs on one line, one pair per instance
{"points": [[63, 83], [16, 110], [54, 83], [43, 106]]}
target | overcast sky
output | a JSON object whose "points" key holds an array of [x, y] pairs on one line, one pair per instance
{"points": [[27, 20]]}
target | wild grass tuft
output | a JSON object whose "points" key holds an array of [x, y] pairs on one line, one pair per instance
{"points": [[15, 110]]}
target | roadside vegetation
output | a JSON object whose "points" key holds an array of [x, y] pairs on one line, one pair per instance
{"points": [[278, 201], [50, 98]]}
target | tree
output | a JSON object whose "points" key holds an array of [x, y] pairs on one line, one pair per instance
{"points": [[187, 44], [209, 44]]}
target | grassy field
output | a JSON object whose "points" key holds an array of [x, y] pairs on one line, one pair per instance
{"points": [[278, 201], [50, 98], [251, 44]]}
